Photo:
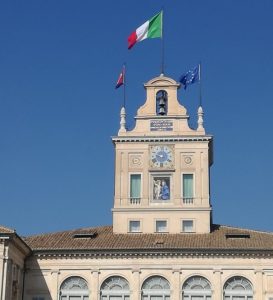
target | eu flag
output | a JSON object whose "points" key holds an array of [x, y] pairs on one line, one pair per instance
{"points": [[190, 77]]}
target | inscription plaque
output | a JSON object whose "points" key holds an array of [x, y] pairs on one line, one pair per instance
{"points": [[161, 125]]}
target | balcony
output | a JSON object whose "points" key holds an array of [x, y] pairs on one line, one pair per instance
{"points": [[187, 200], [134, 201]]}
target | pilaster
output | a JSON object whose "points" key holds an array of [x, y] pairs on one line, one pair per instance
{"points": [[95, 290], [259, 290], [218, 290], [2, 262], [175, 284], [136, 289], [55, 284]]}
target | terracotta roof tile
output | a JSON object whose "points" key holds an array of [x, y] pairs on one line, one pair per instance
{"points": [[4, 229], [105, 239]]}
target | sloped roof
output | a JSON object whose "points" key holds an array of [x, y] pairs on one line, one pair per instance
{"points": [[4, 229], [222, 238]]}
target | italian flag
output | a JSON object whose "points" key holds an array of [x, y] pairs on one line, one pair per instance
{"points": [[150, 29]]}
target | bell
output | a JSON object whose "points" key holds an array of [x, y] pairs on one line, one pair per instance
{"points": [[161, 101], [162, 110]]}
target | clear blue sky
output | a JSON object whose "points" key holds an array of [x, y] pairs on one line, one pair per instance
{"points": [[59, 62]]}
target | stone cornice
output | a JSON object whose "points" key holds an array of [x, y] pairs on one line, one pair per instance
{"points": [[164, 209], [18, 242], [153, 139], [153, 253], [168, 117]]}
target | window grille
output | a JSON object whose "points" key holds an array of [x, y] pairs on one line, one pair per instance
{"points": [[196, 287], [115, 288], [74, 288], [156, 288], [238, 287]]}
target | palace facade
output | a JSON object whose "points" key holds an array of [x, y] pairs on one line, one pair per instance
{"points": [[163, 244]]}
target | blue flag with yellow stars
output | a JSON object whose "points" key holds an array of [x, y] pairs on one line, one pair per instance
{"points": [[190, 77]]}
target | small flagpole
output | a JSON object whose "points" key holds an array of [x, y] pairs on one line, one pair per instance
{"points": [[124, 84], [200, 90], [162, 44]]}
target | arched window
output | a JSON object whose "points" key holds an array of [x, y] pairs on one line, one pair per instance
{"points": [[74, 288], [196, 288], [161, 103], [238, 288], [115, 288], [155, 288]]}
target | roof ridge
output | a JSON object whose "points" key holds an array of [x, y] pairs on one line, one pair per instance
{"points": [[9, 230], [251, 230], [66, 231]]}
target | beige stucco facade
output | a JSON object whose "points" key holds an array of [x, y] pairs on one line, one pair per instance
{"points": [[13, 252], [191, 153], [45, 275]]}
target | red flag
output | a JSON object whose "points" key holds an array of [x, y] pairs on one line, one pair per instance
{"points": [[120, 81]]}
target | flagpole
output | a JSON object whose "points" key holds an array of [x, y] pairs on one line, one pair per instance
{"points": [[124, 85], [162, 44], [200, 90]]}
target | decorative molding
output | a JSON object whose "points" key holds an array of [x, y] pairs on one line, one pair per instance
{"points": [[165, 209], [217, 271], [151, 139], [135, 160], [136, 270], [176, 270], [136, 253], [188, 160], [257, 271]]}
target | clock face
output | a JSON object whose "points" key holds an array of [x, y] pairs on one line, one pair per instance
{"points": [[161, 156]]}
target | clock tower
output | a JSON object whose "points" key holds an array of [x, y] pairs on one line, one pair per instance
{"points": [[162, 167]]}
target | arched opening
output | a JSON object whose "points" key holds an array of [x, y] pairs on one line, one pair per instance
{"points": [[161, 103], [238, 288], [115, 288], [196, 288], [74, 288], [155, 288]]}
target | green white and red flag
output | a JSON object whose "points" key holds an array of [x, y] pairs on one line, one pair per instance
{"points": [[150, 29]]}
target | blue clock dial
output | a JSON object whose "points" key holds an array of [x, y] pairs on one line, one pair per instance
{"points": [[161, 156]]}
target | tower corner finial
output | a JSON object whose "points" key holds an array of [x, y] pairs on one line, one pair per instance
{"points": [[122, 120], [200, 121]]}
